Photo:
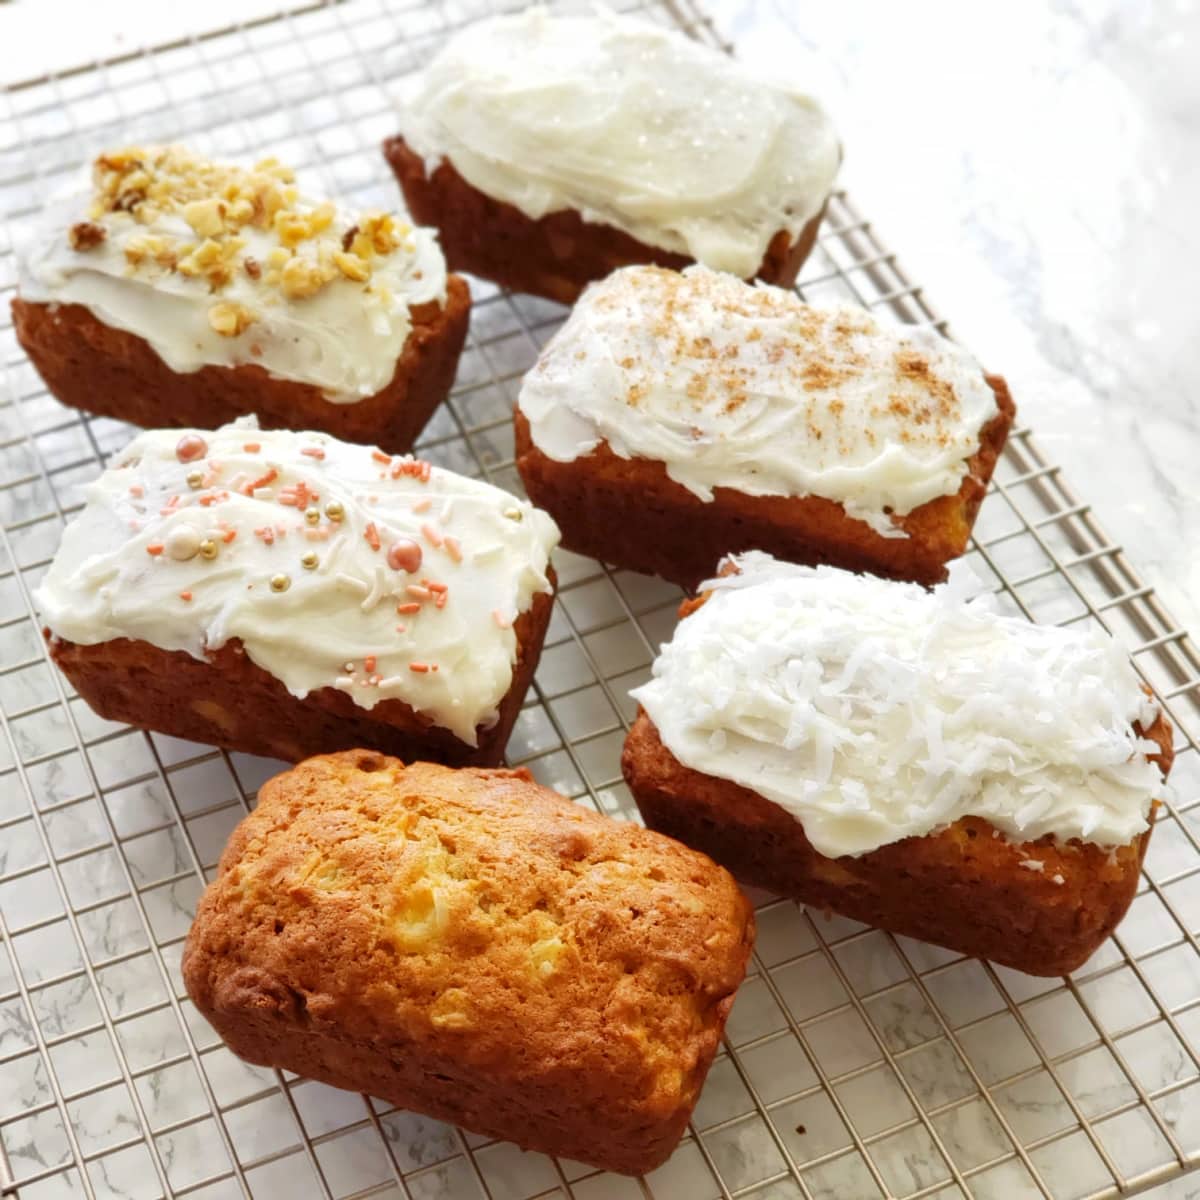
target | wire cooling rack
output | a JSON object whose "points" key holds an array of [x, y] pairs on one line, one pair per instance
{"points": [[855, 1065]]}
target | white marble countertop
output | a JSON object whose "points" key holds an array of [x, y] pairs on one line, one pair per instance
{"points": [[1037, 169]]}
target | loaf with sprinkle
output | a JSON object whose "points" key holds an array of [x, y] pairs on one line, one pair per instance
{"points": [[914, 760], [288, 594], [171, 290]]}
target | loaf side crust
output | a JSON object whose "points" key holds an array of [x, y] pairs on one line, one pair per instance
{"points": [[228, 701], [555, 256], [89, 365], [963, 888], [629, 512], [383, 928]]}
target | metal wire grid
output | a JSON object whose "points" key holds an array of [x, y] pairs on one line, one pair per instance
{"points": [[855, 1064]]}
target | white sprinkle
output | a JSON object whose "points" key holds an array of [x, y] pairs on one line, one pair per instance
{"points": [[444, 515], [377, 592], [487, 552], [350, 581], [1057, 879], [391, 681], [262, 493], [1032, 864], [344, 682]]}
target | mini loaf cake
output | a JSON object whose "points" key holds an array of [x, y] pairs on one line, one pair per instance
{"points": [[288, 594], [186, 292], [678, 417], [473, 946], [551, 150], [911, 760]]}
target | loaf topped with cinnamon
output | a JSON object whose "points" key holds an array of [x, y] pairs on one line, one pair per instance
{"points": [[551, 149], [333, 569], [680, 416], [219, 267]]}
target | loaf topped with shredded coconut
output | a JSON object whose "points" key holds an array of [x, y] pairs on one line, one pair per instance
{"points": [[874, 711]]}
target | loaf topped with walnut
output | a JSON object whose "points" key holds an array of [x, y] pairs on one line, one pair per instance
{"points": [[179, 291], [287, 594]]}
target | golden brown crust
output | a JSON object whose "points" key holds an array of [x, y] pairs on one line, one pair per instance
{"points": [[963, 887], [555, 256], [630, 513], [472, 945], [96, 367], [229, 701]]}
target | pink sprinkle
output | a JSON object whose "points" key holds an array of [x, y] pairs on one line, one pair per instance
{"points": [[190, 447], [319, 534], [266, 533], [413, 589], [435, 587], [369, 664], [380, 457], [401, 628], [156, 548], [423, 505], [404, 555], [419, 668], [454, 549], [431, 535], [372, 535], [313, 451], [501, 620], [410, 607], [136, 489], [185, 595], [440, 602], [252, 447]]}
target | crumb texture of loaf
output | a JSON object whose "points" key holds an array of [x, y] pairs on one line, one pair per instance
{"points": [[472, 946], [966, 887], [89, 365], [554, 256], [680, 416]]}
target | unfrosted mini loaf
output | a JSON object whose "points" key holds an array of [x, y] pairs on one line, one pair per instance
{"points": [[550, 150], [473, 946], [678, 417], [911, 760], [288, 594], [179, 291]]}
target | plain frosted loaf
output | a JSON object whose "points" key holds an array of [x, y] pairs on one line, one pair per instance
{"points": [[179, 291], [287, 594], [473, 946], [909, 759], [677, 417], [550, 150]]}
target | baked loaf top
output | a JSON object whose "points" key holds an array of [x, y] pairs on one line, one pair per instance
{"points": [[874, 711], [334, 565], [478, 917], [745, 387], [629, 124], [223, 265]]}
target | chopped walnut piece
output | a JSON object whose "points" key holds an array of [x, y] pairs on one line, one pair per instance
{"points": [[230, 319], [352, 267], [86, 235], [206, 217], [160, 250], [377, 234], [303, 277]]}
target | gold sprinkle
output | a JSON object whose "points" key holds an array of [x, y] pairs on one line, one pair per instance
{"points": [[280, 583], [334, 510], [310, 560], [514, 514], [312, 516], [195, 480], [208, 548]]}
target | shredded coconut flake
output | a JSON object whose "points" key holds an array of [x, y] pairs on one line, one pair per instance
{"points": [[874, 711]]}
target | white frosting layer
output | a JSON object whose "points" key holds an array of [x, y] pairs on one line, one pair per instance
{"points": [[344, 340], [342, 623], [630, 124], [746, 387], [875, 711]]}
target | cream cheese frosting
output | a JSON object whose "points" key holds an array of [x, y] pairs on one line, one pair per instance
{"points": [[746, 387], [218, 265], [631, 125], [874, 711], [335, 565]]}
